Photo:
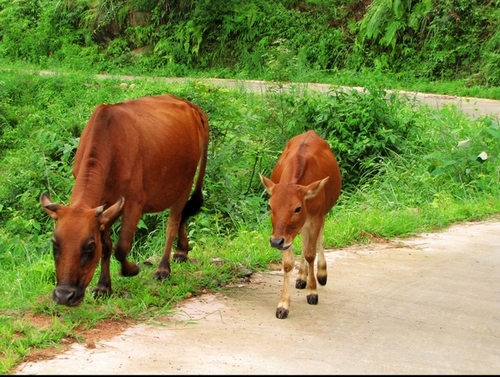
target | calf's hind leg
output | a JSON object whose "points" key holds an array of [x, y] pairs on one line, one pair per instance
{"points": [[301, 281], [310, 236], [322, 271]]}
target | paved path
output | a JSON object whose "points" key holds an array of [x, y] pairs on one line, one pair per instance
{"points": [[424, 305], [474, 106]]}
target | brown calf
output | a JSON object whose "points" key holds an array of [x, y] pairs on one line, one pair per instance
{"points": [[304, 186], [135, 157]]}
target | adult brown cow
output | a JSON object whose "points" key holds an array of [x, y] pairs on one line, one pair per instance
{"points": [[304, 186], [138, 156]]}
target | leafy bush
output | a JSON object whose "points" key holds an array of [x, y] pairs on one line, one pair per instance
{"points": [[362, 128]]}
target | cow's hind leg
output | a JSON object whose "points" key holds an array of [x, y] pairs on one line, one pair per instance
{"points": [[181, 253], [173, 223], [288, 262], [191, 207], [104, 284]]}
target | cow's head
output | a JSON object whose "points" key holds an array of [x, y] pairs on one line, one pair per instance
{"points": [[288, 206], [77, 246]]}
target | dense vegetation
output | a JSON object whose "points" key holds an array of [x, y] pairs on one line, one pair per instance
{"points": [[408, 42], [407, 168]]}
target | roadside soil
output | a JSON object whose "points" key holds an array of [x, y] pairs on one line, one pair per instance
{"points": [[423, 305]]}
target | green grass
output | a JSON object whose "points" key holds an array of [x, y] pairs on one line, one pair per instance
{"points": [[428, 187]]}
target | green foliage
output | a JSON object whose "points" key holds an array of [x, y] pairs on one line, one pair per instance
{"points": [[275, 40], [432, 39], [473, 158], [362, 128]]}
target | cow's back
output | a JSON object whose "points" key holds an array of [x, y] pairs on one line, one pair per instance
{"points": [[308, 158], [140, 149]]}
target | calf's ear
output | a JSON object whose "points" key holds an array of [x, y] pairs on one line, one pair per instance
{"points": [[314, 188]]}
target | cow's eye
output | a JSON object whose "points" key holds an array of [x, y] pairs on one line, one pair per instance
{"points": [[90, 247], [298, 209], [87, 253], [56, 249]]}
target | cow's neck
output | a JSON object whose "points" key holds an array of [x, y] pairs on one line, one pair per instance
{"points": [[89, 189]]}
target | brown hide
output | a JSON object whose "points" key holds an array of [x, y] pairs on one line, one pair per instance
{"points": [[135, 157], [304, 186]]}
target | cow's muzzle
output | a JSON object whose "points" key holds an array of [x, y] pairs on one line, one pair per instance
{"points": [[67, 295]]}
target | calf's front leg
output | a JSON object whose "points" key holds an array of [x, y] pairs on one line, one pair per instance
{"points": [[288, 262]]}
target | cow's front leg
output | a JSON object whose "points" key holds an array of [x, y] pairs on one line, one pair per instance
{"points": [[131, 215], [288, 262], [104, 284]]}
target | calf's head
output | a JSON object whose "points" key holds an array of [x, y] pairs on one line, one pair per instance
{"points": [[77, 246], [289, 210]]}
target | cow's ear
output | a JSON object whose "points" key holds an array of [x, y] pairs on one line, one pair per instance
{"points": [[49, 207], [268, 184], [105, 216], [314, 188]]}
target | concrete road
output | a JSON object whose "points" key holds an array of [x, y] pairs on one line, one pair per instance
{"points": [[475, 107], [424, 305]]}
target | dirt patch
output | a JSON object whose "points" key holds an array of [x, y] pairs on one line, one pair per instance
{"points": [[104, 330]]}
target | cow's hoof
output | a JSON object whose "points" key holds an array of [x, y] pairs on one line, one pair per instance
{"points": [[300, 284], [322, 280], [129, 269], [99, 292], [312, 299], [180, 257], [161, 274], [281, 313]]}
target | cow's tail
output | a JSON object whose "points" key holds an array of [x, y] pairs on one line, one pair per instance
{"points": [[195, 202]]}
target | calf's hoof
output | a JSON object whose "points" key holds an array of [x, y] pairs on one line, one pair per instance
{"points": [[281, 313], [300, 284], [322, 280], [312, 299]]}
